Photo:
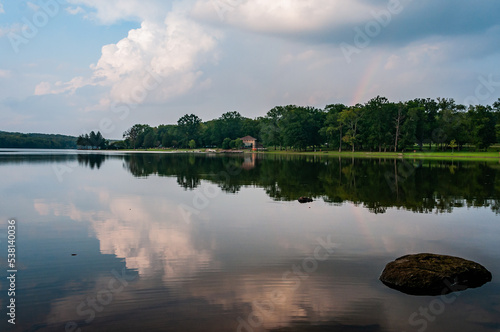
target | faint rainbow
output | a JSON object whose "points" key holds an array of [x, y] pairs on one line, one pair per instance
{"points": [[364, 226], [359, 94]]}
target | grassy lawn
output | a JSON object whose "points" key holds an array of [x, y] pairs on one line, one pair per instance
{"points": [[160, 150], [412, 155], [492, 153]]}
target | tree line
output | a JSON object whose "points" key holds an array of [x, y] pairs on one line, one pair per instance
{"points": [[191, 132], [36, 141], [92, 141], [378, 125]]}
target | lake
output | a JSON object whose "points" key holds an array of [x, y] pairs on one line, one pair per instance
{"points": [[195, 242]]}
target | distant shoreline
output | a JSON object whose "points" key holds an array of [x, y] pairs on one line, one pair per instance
{"points": [[435, 155]]}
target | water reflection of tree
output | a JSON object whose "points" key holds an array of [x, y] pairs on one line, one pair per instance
{"points": [[189, 169], [21, 158], [91, 160], [419, 186]]}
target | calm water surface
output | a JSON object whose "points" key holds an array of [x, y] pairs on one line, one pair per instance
{"points": [[192, 242]]}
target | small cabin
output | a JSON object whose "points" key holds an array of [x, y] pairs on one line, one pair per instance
{"points": [[249, 142]]}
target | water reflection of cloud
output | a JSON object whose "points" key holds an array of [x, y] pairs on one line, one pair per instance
{"points": [[320, 299], [152, 238], [335, 295], [66, 310], [150, 235], [239, 259]]}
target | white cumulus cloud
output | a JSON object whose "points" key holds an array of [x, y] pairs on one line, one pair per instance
{"points": [[157, 61], [2, 11], [45, 88]]}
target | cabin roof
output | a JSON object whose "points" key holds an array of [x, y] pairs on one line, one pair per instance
{"points": [[248, 138]]}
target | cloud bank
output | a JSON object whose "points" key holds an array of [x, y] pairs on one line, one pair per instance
{"points": [[212, 56]]}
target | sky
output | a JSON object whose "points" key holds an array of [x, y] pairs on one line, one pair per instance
{"points": [[72, 66]]}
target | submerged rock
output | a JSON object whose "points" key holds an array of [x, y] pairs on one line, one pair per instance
{"points": [[431, 274], [305, 200]]}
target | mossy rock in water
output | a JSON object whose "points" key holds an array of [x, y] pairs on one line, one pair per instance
{"points": [[431, 274]]}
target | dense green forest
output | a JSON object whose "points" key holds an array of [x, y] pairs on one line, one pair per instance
{"points": [[378, 125], [36, 141]]}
